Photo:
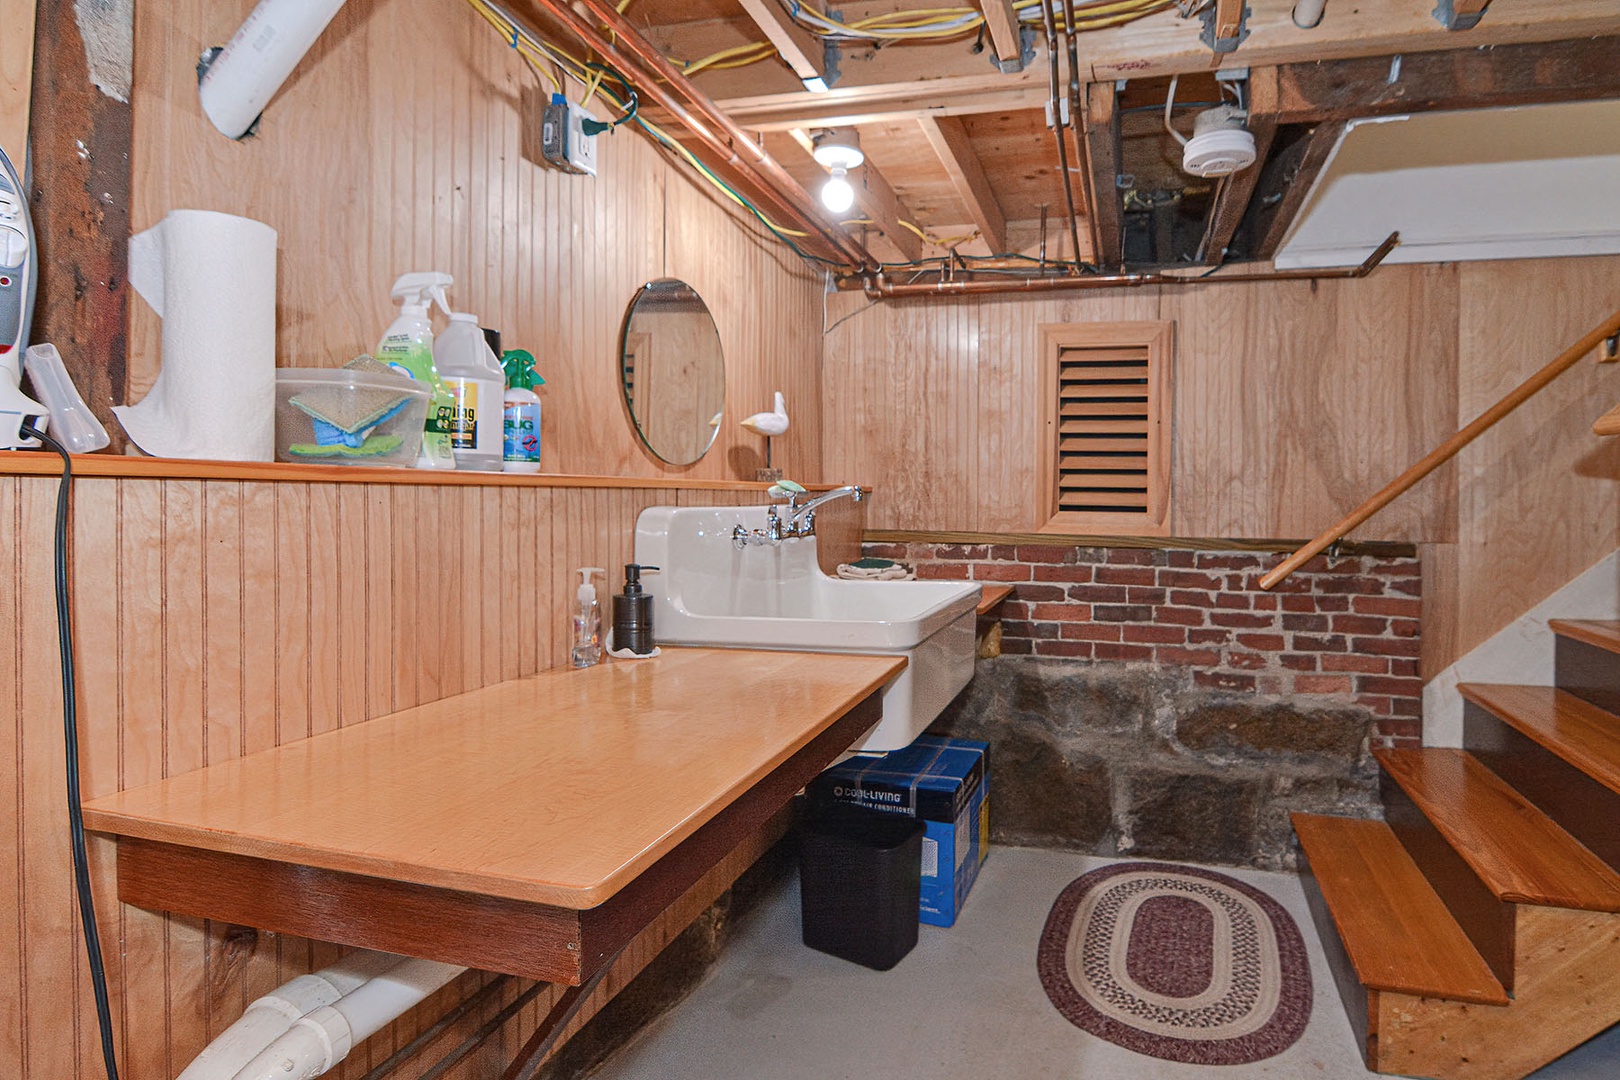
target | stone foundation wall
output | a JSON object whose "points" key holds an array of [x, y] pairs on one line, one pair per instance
{"points": [[1156, 703], [1120, 759]]}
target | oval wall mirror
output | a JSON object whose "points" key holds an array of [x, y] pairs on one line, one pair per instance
{"points": [[672, 370]]}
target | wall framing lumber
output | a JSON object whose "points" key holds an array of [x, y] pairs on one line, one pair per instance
{"points": [[1100, 129], [80, 199]]}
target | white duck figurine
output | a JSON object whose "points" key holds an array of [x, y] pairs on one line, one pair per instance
{"points": [[770, 423]]}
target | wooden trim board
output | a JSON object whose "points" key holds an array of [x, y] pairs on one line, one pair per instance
{"points": [[148, 468]]}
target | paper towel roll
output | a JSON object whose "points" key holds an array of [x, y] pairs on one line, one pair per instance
{"points": [[212, 279]]}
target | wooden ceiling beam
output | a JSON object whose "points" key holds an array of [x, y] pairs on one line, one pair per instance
{"points": [[1006, 36], [1104, 204], [1290, 177], [803, 51], [877, 202], [915, 80], [1532, 74], [1233, 195], [949, 138]]}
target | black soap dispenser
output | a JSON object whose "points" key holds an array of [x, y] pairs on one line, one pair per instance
{"points": [[633, 614]]}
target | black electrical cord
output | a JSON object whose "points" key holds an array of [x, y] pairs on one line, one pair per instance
{"points": [[70, 731]]}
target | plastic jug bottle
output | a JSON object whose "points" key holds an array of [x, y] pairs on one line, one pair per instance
{"points": [[477, 384]]}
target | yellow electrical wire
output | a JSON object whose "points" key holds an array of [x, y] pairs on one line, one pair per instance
{"points": [[578, 70], [952, 22]]}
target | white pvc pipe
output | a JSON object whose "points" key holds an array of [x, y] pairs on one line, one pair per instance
{"points": [[1307, 13], [270, 1016], [323, 1037], [251, 68]]}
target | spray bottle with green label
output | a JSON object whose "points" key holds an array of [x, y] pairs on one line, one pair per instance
{"points": [[407, 347]]}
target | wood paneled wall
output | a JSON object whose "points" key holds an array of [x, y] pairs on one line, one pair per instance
{"points": [[1291, 401], [1538, 495], [395, 146], [217, 618], [16, 78], [1294, 401]]}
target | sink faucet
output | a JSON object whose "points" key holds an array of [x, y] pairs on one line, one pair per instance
{"points": [[802, 519]]}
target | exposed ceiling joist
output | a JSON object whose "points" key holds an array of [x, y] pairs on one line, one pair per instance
{"points": [[911, 81], [949, 138], [1100, 125], [877, 202], [1233, 195], [1290, 176], [1005, 35], [1470, 78], [803, 51]]}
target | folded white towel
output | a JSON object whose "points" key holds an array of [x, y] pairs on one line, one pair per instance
{"points": [[894, 572]]}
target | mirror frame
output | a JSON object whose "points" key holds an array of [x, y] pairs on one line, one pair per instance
{"points": [[626, 391]]}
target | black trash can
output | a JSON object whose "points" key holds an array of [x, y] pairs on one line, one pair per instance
{"points": [[859, 882]]}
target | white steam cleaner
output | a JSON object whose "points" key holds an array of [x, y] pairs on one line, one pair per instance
{"points": [[17, 281]]}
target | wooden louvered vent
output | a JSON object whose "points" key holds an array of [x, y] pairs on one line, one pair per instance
{"points": [[1107, 465]]}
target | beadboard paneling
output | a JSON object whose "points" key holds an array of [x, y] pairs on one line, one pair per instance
{"points": [[395, 146], [220, 617], [1293, 401]]}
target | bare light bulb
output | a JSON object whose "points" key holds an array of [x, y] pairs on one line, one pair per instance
{"points": [[836, 193]]}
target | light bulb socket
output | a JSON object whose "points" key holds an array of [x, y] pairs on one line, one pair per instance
{"points": [[838, 148]]}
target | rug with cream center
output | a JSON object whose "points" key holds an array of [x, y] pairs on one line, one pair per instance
{"points": [[1177, 962]]}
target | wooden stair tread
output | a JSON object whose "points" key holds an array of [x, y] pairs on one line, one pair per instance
{"points": [[1520, 854], [1602, 633], [1579, 732], [1395, 929]]}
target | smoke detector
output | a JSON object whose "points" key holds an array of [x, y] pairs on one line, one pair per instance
{"points": [[1220, 145]]}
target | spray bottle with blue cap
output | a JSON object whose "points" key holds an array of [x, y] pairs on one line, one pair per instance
{"points": [[407, 347]]}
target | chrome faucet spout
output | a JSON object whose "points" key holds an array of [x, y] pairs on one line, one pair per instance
{"points": [[802, 519]]}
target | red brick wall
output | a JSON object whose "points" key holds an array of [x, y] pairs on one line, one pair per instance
{"points": [[1336, 632]]}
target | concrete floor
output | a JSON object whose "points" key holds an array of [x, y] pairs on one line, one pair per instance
{"points": [[965, 1003]]}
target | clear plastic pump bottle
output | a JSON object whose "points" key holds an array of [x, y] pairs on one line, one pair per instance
{"points": [[587, 620]]}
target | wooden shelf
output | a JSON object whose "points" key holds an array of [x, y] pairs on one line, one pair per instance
{"points": [[1600, 633], [1577, 731], [1395, 929], [25, 463], [531, 827], [991, 597], [1518, 853], [1380, 548]]}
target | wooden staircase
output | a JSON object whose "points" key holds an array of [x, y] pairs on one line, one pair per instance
{"points": [[1475, 932]]}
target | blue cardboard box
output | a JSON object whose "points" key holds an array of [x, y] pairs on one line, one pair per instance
{"points": [[946, 782]]}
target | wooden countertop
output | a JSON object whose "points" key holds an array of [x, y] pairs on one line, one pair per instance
{"points": [[557, 789]]}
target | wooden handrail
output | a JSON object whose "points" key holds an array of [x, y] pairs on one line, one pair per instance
{"points": [[1608, 423], [1446, 450]]}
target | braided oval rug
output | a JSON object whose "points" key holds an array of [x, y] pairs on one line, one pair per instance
{"points": [[1177, 962]]}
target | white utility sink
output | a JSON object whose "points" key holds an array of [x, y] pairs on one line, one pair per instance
{"points": [[774, 596]]}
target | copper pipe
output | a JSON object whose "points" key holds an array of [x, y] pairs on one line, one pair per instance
{"points": [[654, 76], [1050, 22], [878, 287], [1077, 125]]}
